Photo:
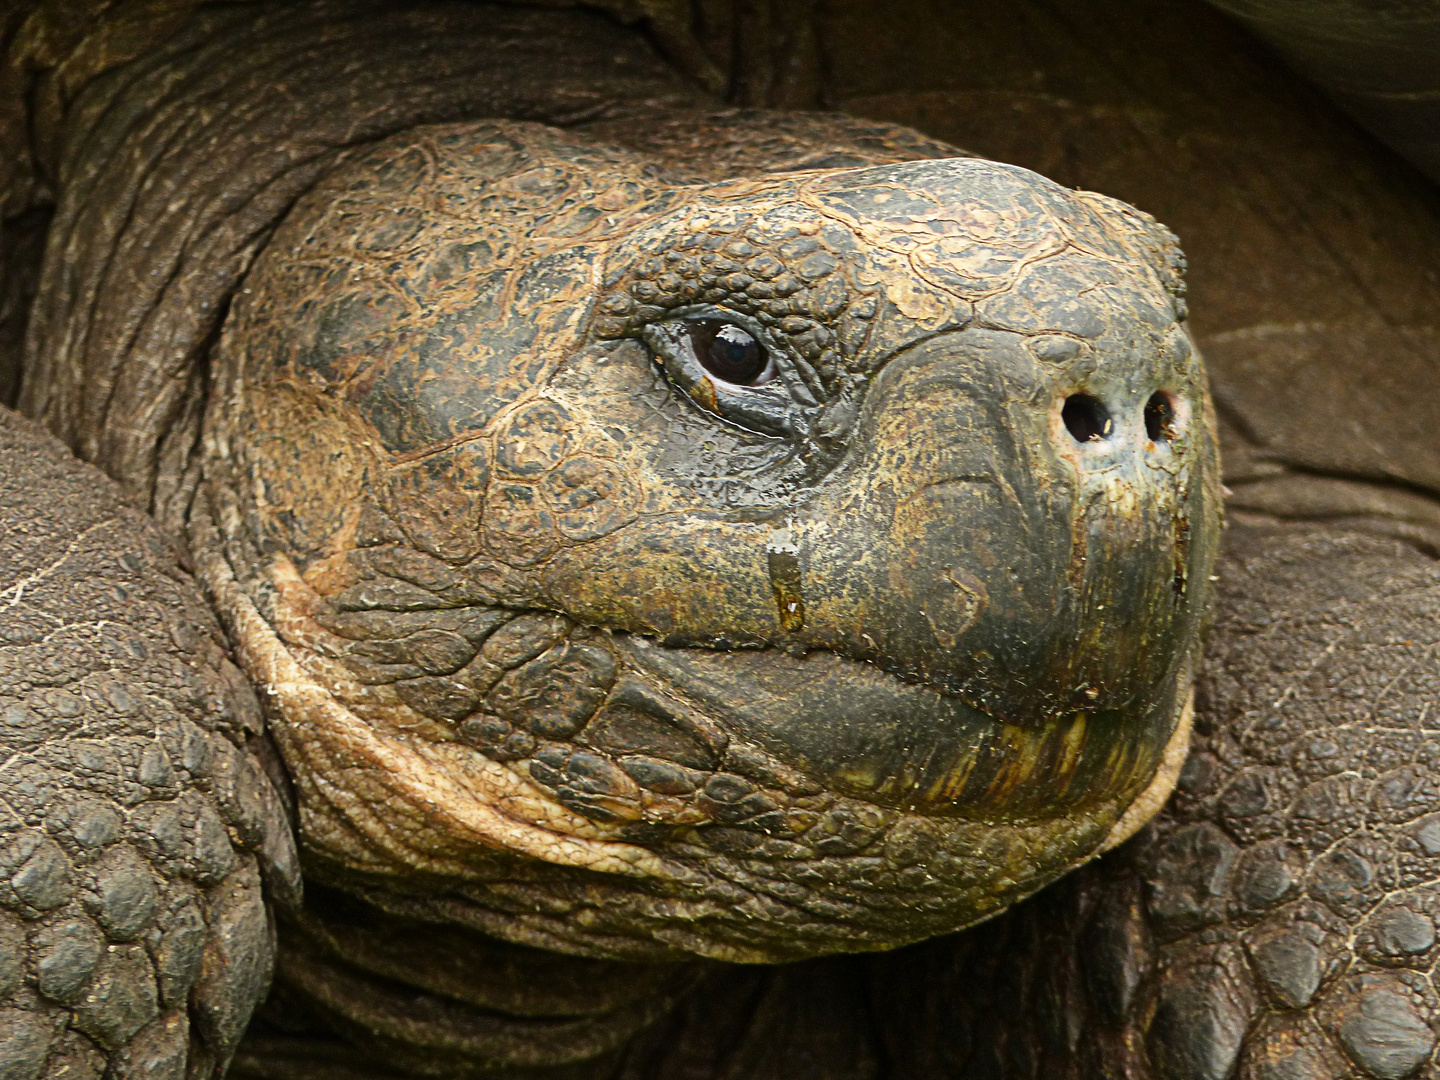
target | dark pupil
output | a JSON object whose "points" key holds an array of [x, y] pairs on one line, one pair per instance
{"points": [[728, 351]]}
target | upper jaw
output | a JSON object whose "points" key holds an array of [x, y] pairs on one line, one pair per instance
{"points": [[855, 729], [810, 789], [966, 541]]}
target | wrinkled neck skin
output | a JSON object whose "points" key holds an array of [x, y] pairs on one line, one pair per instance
{"points": [[570, 648]]}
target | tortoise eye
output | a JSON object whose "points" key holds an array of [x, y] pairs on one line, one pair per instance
{"points": [[729, 352]]}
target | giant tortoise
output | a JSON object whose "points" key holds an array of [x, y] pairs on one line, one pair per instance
{"points": [[607, 571]]}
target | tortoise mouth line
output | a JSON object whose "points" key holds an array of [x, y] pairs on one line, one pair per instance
{"points": [[882, 669], [902, 676], [867, 733]]}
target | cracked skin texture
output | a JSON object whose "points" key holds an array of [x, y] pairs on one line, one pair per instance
{"points": [[1194, 1004], [492, 565], [1279, 919], [138, 818]]}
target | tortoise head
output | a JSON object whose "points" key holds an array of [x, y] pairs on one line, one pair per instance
{"points": [[761, 568]]}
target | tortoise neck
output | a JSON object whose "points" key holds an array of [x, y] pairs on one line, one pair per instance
{"points": [[372, 991]]}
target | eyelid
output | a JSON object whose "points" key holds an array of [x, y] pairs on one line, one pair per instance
{"points": [[765, 408]]}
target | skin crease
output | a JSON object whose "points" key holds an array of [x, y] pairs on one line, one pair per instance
{"points": [[429, 650], [566, 498]]}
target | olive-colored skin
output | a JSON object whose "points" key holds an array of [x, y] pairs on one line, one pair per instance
{"points": [[369, 981], [887, 607]]}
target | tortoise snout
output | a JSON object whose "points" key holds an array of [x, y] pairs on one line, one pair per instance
{"points": [[1025, 542], [1100, 426]]}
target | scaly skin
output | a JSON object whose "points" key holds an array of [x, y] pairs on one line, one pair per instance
{"points": [[1279, 918], [137, 820], [541, 465], [819, 1000], [1313, 282], [563, 641]]}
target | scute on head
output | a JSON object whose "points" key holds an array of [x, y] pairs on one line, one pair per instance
{"points": [[637, 659]]}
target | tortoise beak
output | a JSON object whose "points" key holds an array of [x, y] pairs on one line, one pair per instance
{"points": [[1027, 549], [1021, 537]]}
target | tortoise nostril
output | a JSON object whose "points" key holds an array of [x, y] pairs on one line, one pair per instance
{"points": [[1159, 417], [1086, 418]]}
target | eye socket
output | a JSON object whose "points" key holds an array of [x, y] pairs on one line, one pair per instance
{"points": [[729, 351]]}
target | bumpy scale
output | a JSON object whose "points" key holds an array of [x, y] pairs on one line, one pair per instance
{"points": [[512, 590], [570, 633]]}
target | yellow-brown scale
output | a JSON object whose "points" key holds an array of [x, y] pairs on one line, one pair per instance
{"points": [[638, 661]]}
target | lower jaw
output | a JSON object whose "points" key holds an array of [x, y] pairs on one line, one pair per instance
{"points": [[875, 867], [1148, 803], [861, 876], [890, 882]]}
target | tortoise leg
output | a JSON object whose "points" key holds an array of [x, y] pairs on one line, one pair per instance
{"points": [[141, 840]]}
